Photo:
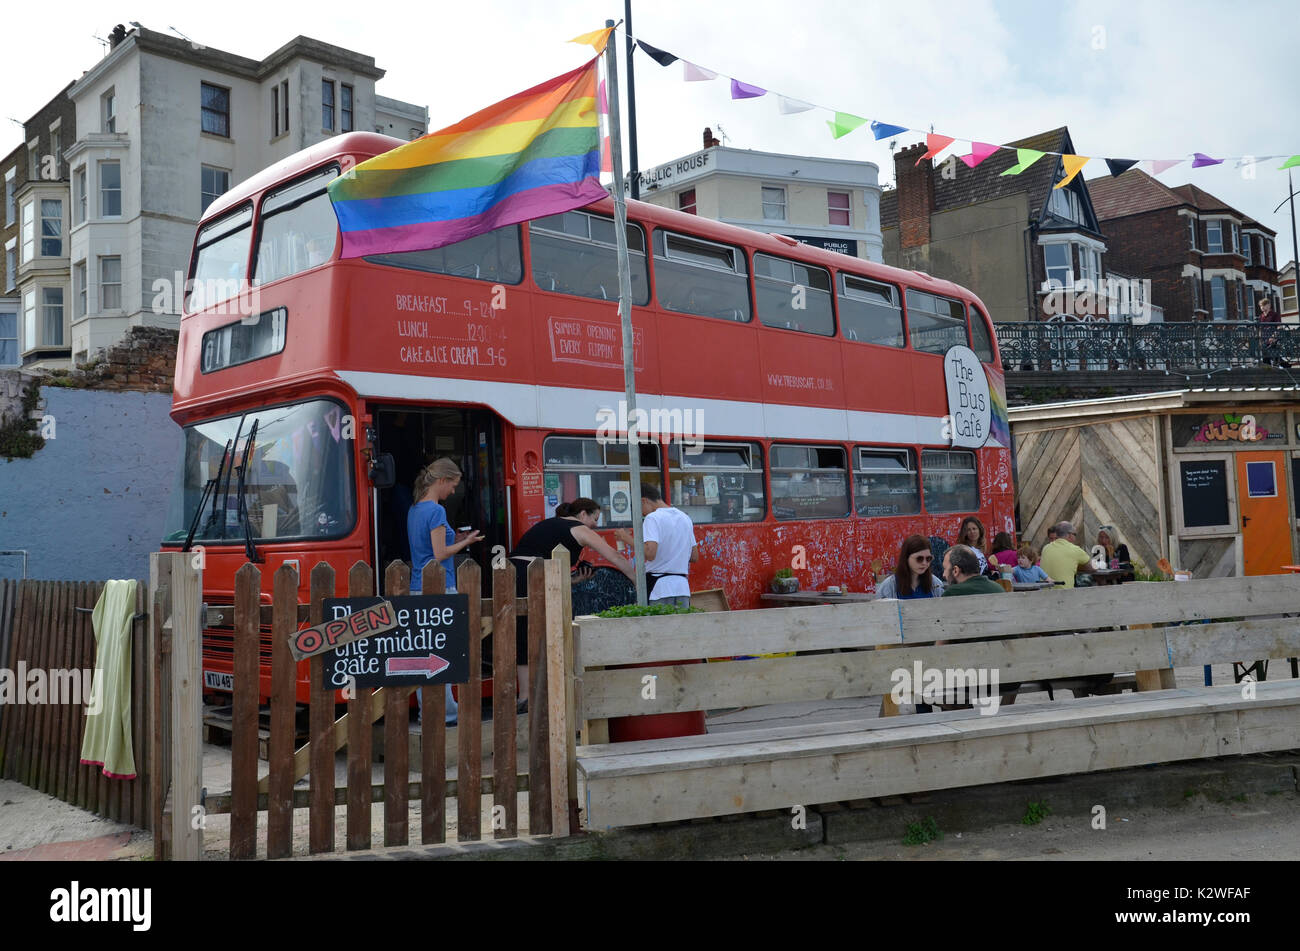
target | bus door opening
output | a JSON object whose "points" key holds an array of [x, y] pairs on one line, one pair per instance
{"points": [[473, 439]]}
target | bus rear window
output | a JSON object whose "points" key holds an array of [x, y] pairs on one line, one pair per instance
{"points": [[936, 323], [298, 229], [494, 257], [793, 296], [693, 276], [220, 259]]}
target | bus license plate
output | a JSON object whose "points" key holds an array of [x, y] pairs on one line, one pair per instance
{"points": [[219, 681]]}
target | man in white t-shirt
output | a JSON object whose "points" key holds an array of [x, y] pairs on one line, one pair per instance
{"points": [[670, 547]]}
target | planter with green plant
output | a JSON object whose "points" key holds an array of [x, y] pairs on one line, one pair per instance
{"points": [[784, 582]]}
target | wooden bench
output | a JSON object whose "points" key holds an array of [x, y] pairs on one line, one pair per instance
{"points": [[751, 770]]}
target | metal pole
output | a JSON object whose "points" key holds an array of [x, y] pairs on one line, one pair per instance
{"points": [[625, 315], [633, 168]]}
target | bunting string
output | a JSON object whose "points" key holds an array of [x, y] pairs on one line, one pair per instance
{"points": [[843, 123]]}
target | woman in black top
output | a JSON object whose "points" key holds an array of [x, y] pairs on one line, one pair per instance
{"points": [[573, 526]]}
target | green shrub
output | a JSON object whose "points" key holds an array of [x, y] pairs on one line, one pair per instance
{"points": [[645, 610], [919, 833]]}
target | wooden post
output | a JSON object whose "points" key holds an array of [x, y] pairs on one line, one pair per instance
{"points": [[360, 585], [187, 704], [244, 715], [557, 579], [433, 737], [570, 698], [539, 772], [469, 766], [504, 753], [397, 734], [321, 811], [284, 707], [159, 705], [1160, 678]]}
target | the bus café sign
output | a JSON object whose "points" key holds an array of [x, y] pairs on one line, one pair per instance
{"points": [[970, 409]]}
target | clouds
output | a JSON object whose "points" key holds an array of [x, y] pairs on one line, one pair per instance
{"points": [[1149, 79]]}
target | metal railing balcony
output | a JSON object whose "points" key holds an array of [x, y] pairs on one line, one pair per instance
{"points": [[1066, 346]]}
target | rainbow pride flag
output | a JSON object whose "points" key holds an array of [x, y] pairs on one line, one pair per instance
{"points": [[534, 154]]}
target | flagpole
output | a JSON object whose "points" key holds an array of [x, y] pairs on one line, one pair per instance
{"points": [[625, 315]]}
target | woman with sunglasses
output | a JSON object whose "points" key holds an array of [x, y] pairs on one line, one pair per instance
{"points": [[912, 577]]}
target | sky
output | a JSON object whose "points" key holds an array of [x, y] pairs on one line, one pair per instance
{"points": [[1145, 79]]}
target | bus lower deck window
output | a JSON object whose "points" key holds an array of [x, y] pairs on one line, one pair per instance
{"points": [[885, 483], [809, 482], [950, 481], [716, 482]]}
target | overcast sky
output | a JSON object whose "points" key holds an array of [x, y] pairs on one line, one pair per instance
{"points": [[1131, 78]]}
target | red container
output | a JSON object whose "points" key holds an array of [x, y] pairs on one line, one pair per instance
{"points": [[656, 726]]}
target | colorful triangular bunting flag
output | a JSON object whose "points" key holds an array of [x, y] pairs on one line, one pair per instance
{"points": [[741, 90], [1292, 162], [1072, 165], [1118, 166], [844, 123], [606, 156], [1162, 165], [789, 107], [979, 151], [1024, 159], [662, 57], [595, 39], [602, 99], [1200, 160], [934, 144], [696, 74], [883, 130]]}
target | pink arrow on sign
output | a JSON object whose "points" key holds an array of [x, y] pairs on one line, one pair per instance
{"points": [[428, 666]]}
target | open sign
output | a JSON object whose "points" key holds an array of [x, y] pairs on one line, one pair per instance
{"points": [[374, 619]]}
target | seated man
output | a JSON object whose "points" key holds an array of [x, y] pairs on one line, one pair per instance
{"points": [[961, 574], [1063, 559]]}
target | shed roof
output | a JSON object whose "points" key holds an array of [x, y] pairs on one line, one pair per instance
{"points": [[1160, 402]]}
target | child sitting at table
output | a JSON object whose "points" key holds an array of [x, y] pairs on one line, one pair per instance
{"points": [[1028, 571]]}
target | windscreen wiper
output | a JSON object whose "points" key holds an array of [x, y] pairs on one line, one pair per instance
{"points": [[210, 488], [250, 550]]}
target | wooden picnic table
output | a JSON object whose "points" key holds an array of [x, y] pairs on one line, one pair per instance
{"points": [[818, 597], [1112, 576], [1033, 585]]}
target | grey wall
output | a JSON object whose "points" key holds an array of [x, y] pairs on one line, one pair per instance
{"points": [[90, 506]]}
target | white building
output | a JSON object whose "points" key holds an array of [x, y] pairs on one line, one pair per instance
{"points": [[163, 126], [831, 203]]}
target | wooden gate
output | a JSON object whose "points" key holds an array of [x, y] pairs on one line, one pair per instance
{"points": [[260, 631]]}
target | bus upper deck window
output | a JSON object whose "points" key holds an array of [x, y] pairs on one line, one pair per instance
{"points": [[495, 257], [793, 296], [574, 253], [870, 312], [220, 259], [936, 323], [298, 229], [695, 276], [981, 343]]}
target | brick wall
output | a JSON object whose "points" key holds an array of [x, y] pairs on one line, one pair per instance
{"points": [[1154, 246], [915, 196], [145, 360]]}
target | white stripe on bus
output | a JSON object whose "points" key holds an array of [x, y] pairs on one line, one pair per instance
{"points": [[557, 407]]}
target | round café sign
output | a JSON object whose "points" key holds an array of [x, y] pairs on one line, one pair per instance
{"points": [[969, 406]]}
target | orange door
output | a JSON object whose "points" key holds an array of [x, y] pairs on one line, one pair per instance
{"points": [[1265, 521]]}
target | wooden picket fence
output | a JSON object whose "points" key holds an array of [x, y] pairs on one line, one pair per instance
{"points": [[260, 631], [46, 626]]}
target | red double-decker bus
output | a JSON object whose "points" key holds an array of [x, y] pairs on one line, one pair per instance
{"points": [[798, 398]]}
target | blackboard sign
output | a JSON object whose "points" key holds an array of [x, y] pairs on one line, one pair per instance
{"points": [[1205, 492], [430, 644]]}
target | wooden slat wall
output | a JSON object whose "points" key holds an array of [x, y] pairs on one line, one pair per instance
{"points": [[1121, 485], [42, 629], [1050, 481], [1208, 557]]}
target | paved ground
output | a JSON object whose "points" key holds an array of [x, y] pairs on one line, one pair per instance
{"points": [[1258, 828]]}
